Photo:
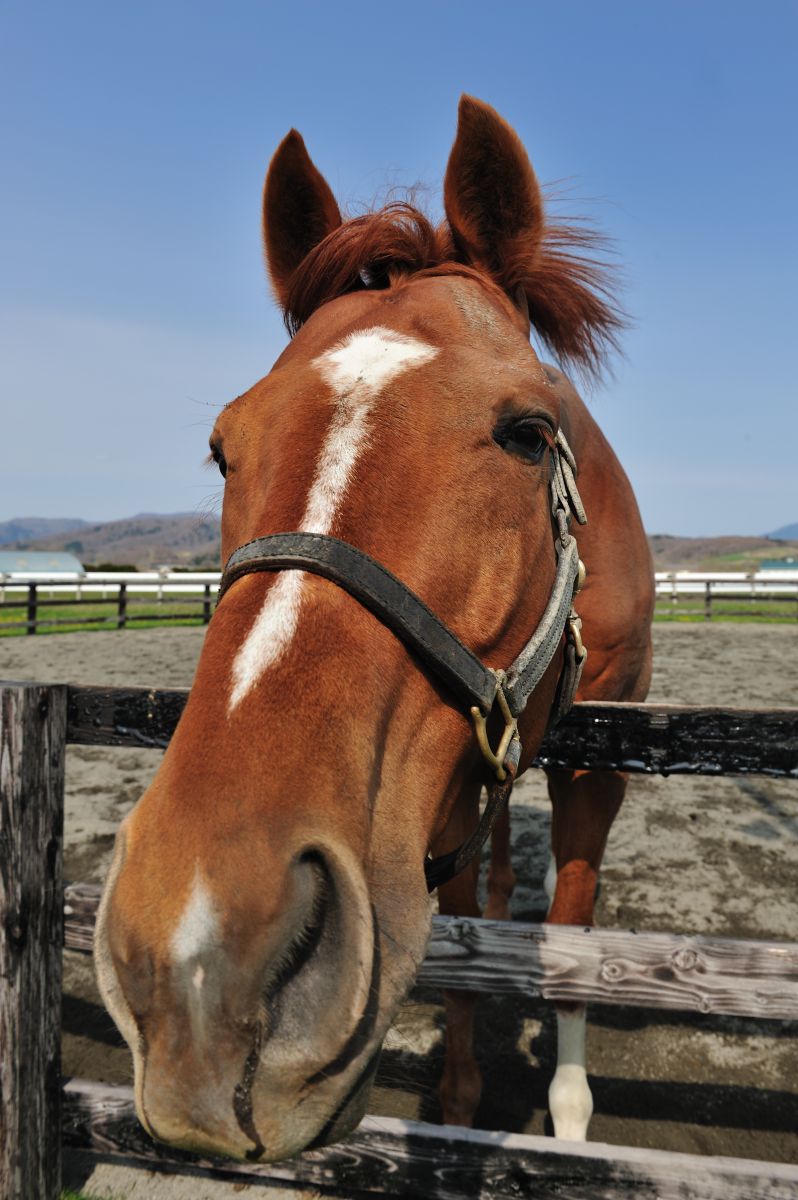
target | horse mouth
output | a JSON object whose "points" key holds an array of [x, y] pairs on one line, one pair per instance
{"points": [[351, 1107], [350, 1110]]}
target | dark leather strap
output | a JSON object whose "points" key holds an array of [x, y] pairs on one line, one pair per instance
{"points": [[381, 592], [374, 586], [443, 868]]}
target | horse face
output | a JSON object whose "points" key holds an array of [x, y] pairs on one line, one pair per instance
{"points": [[266, 910]]}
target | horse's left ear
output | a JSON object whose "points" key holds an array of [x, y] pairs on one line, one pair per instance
{"points": [[555, 274], [491, 196], [299, 210]]}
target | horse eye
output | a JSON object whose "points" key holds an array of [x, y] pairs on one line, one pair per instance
{"points": [[220, 460], [526, 438]]}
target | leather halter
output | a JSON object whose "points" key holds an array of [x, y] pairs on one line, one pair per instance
{"points": [[475, 684]]}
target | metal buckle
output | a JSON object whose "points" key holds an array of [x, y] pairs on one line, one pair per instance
{"points": [[574, 635], [480, 719], [573, 626]]}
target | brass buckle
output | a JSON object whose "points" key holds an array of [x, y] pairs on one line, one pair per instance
{"points": [[480, 719], [574, 635]]}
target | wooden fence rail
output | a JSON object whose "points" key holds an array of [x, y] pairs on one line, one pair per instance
{"points": [[412, 1159], [685, 973], [716, 597], [643, 738], [383, 1157], [202, 608], [771, 596]]}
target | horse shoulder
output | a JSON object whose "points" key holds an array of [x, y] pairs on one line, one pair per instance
{"points": [[616, 604]]}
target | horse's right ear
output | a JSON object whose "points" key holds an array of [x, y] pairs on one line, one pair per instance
{"points": [[299, 210]]}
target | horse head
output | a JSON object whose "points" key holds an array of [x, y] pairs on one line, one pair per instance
{"points": [[267, 908]]}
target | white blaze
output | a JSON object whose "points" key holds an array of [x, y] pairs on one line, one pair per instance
{"points": [[198, 928], [357, 370]]}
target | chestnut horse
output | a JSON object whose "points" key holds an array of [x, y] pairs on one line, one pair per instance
{"points": [[267, 909]]}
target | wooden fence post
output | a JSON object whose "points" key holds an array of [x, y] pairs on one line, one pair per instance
{"points": [[708, 600], [32, 742], [121, 607], [206, 605], [32, 604]]}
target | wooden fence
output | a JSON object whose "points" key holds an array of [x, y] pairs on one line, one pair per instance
{"points": [[192, 595], [384, 1157], [708, 597], [196, 603]]}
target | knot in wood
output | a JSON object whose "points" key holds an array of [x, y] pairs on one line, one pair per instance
{"points": [[685, 960], [612, 972]]}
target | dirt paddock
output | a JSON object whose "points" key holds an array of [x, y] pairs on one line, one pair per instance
{"points": [[687, 855]]}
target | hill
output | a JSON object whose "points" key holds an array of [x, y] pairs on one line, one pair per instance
{"points": [[786, 531], [26, 528], [716, 553], [148, 540], [192, 540]]}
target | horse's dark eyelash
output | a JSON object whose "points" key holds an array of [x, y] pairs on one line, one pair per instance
{"points": [[504, 427]]}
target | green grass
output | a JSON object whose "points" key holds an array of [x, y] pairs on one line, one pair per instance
{"points": [[142, 613], [68, 1194], [145, 613], [736, 609]]}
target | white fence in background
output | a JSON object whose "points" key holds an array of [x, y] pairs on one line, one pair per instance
{"points": [[728, 583], [105, 585]]}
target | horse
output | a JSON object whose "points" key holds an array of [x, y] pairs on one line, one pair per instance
{"points": [[400, 508]]}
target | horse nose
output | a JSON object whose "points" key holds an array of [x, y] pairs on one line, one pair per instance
{"points": [[241, 1009]]}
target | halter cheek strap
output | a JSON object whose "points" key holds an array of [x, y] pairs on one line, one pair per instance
{"points": [[480, 687]]}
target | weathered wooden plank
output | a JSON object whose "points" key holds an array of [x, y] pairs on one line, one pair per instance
{"points": [[648, 738], [389, 1157], [32, 744], [123, 716], [615, 966], [669, 739], [558, 962], [81, 901]]}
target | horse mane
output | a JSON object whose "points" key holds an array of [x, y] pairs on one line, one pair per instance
{"points": [[569, 286]]}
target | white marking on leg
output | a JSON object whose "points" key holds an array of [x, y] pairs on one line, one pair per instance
{"points": [[357, 370], [550, 881], [570, 1101], [198, 928]]}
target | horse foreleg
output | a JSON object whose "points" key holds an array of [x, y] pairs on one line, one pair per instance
{"points": [[461, 1083], [584, 805], [501, 877]]}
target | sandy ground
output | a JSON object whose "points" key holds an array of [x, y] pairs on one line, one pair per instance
{"points": [[686, 855]]}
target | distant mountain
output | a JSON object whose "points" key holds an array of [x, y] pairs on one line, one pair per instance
{"points": [[24, 528], [190, 540], [714, 553], [182, 540], [786, 531]]}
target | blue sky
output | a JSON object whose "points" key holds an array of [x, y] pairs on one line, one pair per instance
{"points": [[133, 301]]}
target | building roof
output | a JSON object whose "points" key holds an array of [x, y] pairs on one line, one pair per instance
{"points": [[779, 564], [35, 562]]}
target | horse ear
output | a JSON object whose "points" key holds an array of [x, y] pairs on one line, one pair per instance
{"points": [[299, 210], [491, 196], [556, 274]]}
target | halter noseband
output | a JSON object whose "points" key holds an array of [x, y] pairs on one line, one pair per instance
{"points": [[477, 685]]}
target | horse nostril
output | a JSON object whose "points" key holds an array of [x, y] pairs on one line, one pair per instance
{"points": [[316, 889], [321, 990]]}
